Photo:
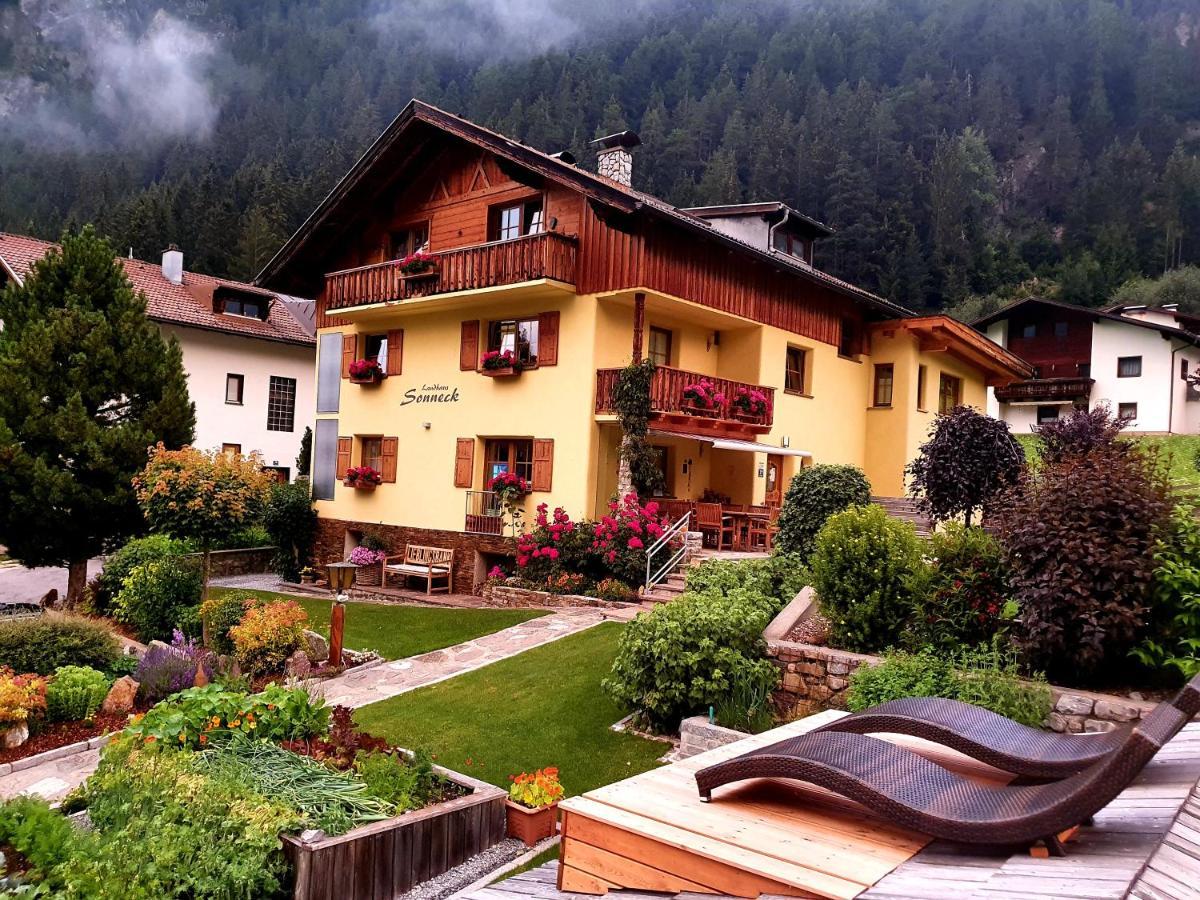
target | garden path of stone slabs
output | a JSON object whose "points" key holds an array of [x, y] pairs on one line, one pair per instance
{"points": [[55, 778]]}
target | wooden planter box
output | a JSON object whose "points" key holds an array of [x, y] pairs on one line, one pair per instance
{"points": [[506, 372], [692, 410], [368, 379], [360, 486], [531, 825], [751, 418], [386, 859], [427, 275]]}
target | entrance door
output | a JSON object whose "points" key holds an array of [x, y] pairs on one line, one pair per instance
{"points": [[774, 480]]}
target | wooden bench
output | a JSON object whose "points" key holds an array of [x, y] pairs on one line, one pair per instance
{"points": [[430, 563]]}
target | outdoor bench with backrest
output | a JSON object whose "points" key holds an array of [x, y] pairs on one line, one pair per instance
{"points": [[431, 564]]}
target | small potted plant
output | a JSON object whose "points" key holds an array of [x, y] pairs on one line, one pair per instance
{"points": [[532, 805], [418, 265], [366, 371], [501, 364], [362, 478], [308, 575], [701, 398], [749, 404], [370, 564]]}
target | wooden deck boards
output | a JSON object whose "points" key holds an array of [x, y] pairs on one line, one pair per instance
{"points": [[1145, 844]]}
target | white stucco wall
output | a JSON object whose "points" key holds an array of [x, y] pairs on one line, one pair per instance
{"points": [[997, 332], [209, 356], [1152, 391]]}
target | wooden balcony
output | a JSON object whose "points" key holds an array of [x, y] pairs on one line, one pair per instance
{"points": [[538, 256], [1046, 390], [672, 411]]}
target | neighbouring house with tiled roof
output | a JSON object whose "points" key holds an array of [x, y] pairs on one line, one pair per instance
{"points": [[1138, 360], [248, 353]]}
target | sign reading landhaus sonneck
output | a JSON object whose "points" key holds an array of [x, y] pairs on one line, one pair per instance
{"points": [[430, 393]]}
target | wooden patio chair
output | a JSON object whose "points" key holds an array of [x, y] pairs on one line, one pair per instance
{"points": [[757, 528], [908, 790], [711, 519], [995, 740]]}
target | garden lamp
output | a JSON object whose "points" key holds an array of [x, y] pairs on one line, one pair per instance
{"points": [[341, 578]]}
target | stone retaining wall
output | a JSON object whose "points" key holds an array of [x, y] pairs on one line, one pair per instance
{"points": [[697, 735], [815, 678], [247, 561], [504, 595]]}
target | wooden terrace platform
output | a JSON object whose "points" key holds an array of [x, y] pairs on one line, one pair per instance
{"points": [[649, 836]]}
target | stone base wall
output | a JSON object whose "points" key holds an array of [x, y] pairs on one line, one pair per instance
{"points": [[330, 546], [523, 598], [815, 678], [248, 561], [697, 735]]}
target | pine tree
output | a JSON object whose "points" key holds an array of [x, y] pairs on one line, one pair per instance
{"points": [[87, 385]]}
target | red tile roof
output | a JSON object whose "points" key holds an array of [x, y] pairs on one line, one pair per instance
{"points": [[188, 304]]}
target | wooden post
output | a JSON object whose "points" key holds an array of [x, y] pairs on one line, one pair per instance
{"points": [[639, 324], [337, 625]]}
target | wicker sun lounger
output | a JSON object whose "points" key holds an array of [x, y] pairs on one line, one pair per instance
{"points": [[995, 740], [909, 790]]}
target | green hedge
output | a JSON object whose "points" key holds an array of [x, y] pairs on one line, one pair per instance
{"points": [[815, 494], [44, 644]]}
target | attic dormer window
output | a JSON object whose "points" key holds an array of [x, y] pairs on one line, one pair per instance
{"points": [[252, 309], [241, 303]]}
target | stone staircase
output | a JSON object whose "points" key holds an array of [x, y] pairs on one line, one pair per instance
{"points": [[669, 588], [906, 510]]}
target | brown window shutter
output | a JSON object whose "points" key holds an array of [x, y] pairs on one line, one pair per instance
{"points": [[395, 356], [349, 352], [468, 354], [543, 463], [464, 462], [389, 445], [548, 339], [345, 446]]}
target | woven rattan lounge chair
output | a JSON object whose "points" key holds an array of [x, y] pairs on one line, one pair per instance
{"points": [[909, 790], [995, 740]]}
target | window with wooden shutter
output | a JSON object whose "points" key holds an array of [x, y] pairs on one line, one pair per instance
{"points": [[547, 353], [387, 468], [543, 463], [464, 462], [395, 351], [468, 354], [349, 352], [344, 448]]}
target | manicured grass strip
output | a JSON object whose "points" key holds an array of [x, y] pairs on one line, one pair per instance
{"points": [[543, 707], [400, 631], [1176, 452]]}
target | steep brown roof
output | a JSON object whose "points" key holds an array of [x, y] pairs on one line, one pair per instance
{"points": [[1096, 314], [293, 266], [189, 304]]}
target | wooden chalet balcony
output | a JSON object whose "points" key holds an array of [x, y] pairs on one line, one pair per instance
{"points": [[674, 413], [531, 258], [1046, 390]]}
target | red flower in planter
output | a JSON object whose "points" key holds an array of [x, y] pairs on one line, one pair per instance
{"points": [[362, 475], [509, 484], [416, 263], [501, 359], [751, 401], [366, 368]]}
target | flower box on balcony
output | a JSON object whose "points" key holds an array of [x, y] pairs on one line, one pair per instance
{"points": [[362, 478], [500, 364], [749, 418], [418, 266], [506, 372], [366, 371], [693, 410], [424, 275]]}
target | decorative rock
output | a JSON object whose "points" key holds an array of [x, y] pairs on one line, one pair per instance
{"points": [[14, 736], [318, 647], [1074, 704], [201, 678], [297, 665], [1098, 725], [120, 696], [1115, 711], [836, 684]]}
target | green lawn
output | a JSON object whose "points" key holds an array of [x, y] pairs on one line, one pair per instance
{"points": [[540, 708], [1177, 452], [400, 631]]}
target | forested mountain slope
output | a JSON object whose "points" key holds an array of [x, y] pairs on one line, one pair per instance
{"points": [[959, 147]]}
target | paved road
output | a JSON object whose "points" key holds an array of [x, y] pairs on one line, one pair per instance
{"points": [[19, 583]]}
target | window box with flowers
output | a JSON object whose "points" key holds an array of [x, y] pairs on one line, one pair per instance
{"points": [[532, 805], [750, 405], [362, 478], [501, 364], [366, 371], [419, 266], [701, 398]]}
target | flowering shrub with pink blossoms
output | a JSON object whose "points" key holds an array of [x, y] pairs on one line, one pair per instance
{"points": [[703, 394], [612, 548], [750, 401]]}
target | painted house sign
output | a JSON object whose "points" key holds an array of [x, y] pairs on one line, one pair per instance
{"points": [[430, 393]]}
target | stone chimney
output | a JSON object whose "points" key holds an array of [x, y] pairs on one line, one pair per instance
{"points": [[172, 264], [613, 159]]}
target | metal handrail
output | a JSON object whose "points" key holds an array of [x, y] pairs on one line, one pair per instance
{"points": [[678, 525]]}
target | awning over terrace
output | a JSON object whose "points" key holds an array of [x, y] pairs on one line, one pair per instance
{"points": [[730, 443]]}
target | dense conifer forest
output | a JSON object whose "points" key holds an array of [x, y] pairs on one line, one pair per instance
{"points": [[966, 151]]}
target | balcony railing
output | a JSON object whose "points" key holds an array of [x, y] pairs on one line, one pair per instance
{"points": [[484, 514], [666, 397], [536, 256], [1057, 390]]}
